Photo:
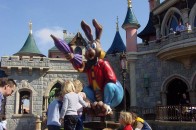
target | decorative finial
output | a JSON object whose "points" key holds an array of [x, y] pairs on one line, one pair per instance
{"points": [[117, 29], [30, 27], [129, 3]]}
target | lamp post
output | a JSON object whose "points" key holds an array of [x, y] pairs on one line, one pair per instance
{"points": [[123, 63]]}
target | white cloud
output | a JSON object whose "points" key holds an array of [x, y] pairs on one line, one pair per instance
{"points": [[43, 35]]}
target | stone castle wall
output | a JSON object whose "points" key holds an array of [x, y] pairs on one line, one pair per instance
{"points": [[158, 72], [36, 75]]}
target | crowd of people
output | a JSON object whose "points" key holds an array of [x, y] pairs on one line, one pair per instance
{"points": [[179, 28], [182, 27], [67, 108]]}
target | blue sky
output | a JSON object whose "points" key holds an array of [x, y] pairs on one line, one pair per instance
{"points": [[51, 17]]}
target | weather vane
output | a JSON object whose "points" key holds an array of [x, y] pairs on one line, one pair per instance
{"points": [[30, 27]]}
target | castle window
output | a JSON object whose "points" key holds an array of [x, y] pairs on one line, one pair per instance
{"points": [[23, 101], [53, 91], [195, 22], [171, 23], [78, 50]]}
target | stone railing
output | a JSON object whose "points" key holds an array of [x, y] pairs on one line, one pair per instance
{"points": [[172, 38], [176, 113]]}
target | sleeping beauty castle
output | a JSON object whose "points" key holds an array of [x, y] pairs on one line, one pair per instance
{"points": [[159, 69]]}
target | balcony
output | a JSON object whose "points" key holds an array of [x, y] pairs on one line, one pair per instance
{"points": [[181, 47]]}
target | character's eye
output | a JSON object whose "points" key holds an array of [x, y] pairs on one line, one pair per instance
{"points": [[94, 45]]}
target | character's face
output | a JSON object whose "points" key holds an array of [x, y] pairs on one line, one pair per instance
{"points": [[93, 50]]}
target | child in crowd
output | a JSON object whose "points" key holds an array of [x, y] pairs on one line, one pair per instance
{"points": [[70, 106], [126, 120], [53, 113], [78, 89], [139, 123]]}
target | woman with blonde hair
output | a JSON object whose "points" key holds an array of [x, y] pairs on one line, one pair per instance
{"points": [[78, 89], [69, 108], [126, 120]]}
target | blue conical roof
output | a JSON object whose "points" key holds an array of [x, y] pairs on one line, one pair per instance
{"points": [[149, 30], [117, 45], [130, 19]]}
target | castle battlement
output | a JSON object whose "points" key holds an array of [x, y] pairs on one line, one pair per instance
{"points": [[24, 62]]}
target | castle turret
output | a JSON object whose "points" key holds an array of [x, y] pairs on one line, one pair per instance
{"points": [[30, 48], [131, 25], [117, 44]]}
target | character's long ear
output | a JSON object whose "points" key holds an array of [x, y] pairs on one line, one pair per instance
{"points": [[98, 29], [87, 30]]}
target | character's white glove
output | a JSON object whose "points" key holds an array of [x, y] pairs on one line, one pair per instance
{"points": [[108, 109], [137, 129]]}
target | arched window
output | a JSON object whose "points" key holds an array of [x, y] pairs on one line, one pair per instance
{"points": [[175, 89], [172, 23], [55, 88], [24, 107], [170, 20], [23, 101], [78, 50]]}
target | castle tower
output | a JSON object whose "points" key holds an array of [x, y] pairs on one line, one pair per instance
{"points": [[29, 48], [117, 44], [131, 25]]}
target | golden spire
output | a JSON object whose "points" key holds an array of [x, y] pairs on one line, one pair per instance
{"points": [[129, 3], [30, 27], [117, 29]]}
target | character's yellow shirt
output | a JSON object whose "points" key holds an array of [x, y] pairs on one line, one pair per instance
{"points": [[95, 85]]}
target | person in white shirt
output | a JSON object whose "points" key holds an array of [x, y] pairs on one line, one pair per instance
{"points": [[70, 106], [78, 89], [188, 27]]}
